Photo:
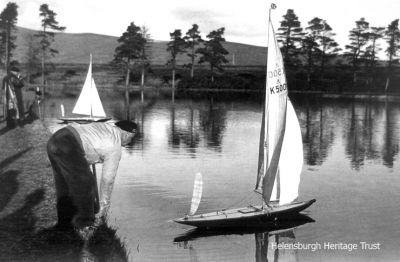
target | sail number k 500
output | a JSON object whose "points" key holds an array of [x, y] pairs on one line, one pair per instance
{"points": [[279, 87]]}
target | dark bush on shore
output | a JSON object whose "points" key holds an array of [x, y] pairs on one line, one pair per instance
{"points": [[225, 81]]}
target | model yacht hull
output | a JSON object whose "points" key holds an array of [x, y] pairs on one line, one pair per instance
{"points": [[251, 216]]}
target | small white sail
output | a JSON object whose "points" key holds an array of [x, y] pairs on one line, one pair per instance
{"points": [[197, 192], [89, 102]]}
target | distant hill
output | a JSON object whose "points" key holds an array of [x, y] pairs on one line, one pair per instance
{"points": [[75, 49]]}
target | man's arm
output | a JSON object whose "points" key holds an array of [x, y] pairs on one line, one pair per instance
{"points": [[110, 166]]}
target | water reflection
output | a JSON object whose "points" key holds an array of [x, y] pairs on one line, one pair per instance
{"points": [[268, 246], [184, 128], [370, 130], [318, 131], [372, 133], [392, 135], [266, 239], [213, 123], [190, 123]]}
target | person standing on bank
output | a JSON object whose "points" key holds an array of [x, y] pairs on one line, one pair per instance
{"points": [[14, 104], [71, 151]]}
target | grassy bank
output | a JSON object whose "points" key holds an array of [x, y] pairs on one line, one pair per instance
{"points": [[27, 205]]}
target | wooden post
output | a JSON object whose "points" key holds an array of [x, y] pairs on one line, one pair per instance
{"points": [[142, 86], [387, 85], [173, 85], [127, 93]]}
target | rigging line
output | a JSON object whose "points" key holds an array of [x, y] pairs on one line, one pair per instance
{"points": [[246, 200]]}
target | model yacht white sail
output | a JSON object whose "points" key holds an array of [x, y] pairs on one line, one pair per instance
{"points": [[197, 192], [280, 156], [88, 104]]}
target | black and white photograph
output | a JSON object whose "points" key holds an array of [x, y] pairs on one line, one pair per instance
{"points": [[244, 131]]}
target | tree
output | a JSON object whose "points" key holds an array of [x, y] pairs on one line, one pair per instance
{"points": [[175, 47], [130, 49], [32, 56], [393, 39], [290, 35], [319, 45], [328, 46], [8, 21], [46, 37], [146, 52], [213, 52], [358, 39], [392, 35], [311, 45], [192, 39], [373, 48]]}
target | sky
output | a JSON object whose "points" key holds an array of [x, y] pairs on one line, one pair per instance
{"points": [[245, 21]]}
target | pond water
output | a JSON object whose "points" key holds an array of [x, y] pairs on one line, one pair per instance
{"points": [[351, 166]]}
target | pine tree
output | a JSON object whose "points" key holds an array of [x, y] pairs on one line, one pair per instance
{"points": [[311, 44], [392, 35], [146, 53], [8, 22], [175, 47], [213, 52], [358, 40], [373, 48], [192, 39], [130, 49], [290, 34], [32, 56], [46, 37], [328, 46]]}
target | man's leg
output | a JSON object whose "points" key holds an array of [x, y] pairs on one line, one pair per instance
{"points": [[70, 162], [20, 103], [65, 207]]}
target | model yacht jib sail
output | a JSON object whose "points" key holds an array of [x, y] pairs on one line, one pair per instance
{"points": [[88, 103], [197, 192], [280, 157]]}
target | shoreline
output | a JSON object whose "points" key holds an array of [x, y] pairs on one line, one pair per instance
{"points": [[28, 206], [27, 199], [54, 91]]}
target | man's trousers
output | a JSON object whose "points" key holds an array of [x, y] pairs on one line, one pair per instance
{"points": [[75, 183]]}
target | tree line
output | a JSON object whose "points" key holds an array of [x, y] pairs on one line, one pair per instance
{"points": [[42, 51], [313, 47], [134, 45], [307, 52], [134, 50]]}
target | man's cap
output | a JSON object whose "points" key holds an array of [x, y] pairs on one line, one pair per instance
{"points": [[14, 69], [127, 126]]}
